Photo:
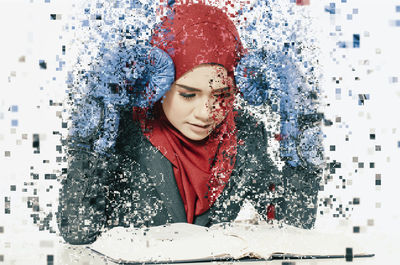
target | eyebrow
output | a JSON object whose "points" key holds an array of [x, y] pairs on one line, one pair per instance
{"points": [[221, 89], [189, 88], [199, 90]]}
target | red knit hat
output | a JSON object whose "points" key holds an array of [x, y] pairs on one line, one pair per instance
{"points": [[195, 34]]}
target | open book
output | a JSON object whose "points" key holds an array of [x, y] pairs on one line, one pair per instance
{"points": [[182, 242]]}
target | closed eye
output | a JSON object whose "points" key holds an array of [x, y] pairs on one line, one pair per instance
{"points": [[187, 96], [222, 95]]}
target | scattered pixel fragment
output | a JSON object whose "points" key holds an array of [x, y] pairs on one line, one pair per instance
{"points": [[43, 64], [294, 104]]}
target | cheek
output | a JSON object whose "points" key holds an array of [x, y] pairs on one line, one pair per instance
{"points": [[174, 108], [222, 108], [218, 115]]}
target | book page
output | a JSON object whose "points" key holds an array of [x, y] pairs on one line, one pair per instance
{"points": [[265, 239], [187, 242], [174, 242]]}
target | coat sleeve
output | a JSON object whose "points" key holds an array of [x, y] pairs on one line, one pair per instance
{"points": [[92, 191], [82, 200], [288, 194], [298, 205]]}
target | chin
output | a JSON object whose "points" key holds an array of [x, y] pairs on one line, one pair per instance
{"points": [[195, 137]]}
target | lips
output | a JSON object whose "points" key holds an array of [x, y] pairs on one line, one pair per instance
{"points": [[200, 125], [200, 128]]}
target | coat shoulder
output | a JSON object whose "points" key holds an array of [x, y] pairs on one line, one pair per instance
{"points": [[250, 127], [130, 136]]}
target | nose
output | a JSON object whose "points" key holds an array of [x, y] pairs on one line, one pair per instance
{"points": [[202, 111]]}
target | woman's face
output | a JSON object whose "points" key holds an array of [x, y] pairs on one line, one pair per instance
{"points": [[199, 101]]}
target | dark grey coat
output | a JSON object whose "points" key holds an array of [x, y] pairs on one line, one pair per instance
{"points": [[136, 186]]}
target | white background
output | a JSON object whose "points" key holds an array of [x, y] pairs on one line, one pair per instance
{"points": [[28, 35]]}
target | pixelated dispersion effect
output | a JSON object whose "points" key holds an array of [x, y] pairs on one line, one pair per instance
{"points": [[272, 72], [346, 35], [127, 76], [283, 85]]}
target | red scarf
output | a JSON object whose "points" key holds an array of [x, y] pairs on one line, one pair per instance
{"points": [[201, 168], [195, 34]]}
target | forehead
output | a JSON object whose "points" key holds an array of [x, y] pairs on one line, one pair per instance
{"points": [[205, 76]]}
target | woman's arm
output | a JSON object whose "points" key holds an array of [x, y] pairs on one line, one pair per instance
{"points": [[298, 204], [82, 202], [289, 194]]}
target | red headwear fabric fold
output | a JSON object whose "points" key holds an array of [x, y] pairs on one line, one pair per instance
{"points": [[195, 34], [201, 168], [192, 35]]}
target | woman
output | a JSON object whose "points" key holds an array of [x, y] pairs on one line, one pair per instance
{"points": [[191, 157]]}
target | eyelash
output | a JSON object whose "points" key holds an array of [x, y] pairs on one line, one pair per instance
{"points": [[187, 96], [223, 95], [217, 96]]}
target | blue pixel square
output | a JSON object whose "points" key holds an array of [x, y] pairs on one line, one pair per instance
{"points": [[342, 44], [14, 108], [331, 9], [356, 40]]}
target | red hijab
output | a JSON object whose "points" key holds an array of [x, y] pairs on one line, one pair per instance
{"points": [[201, 168], [192, 35]]}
